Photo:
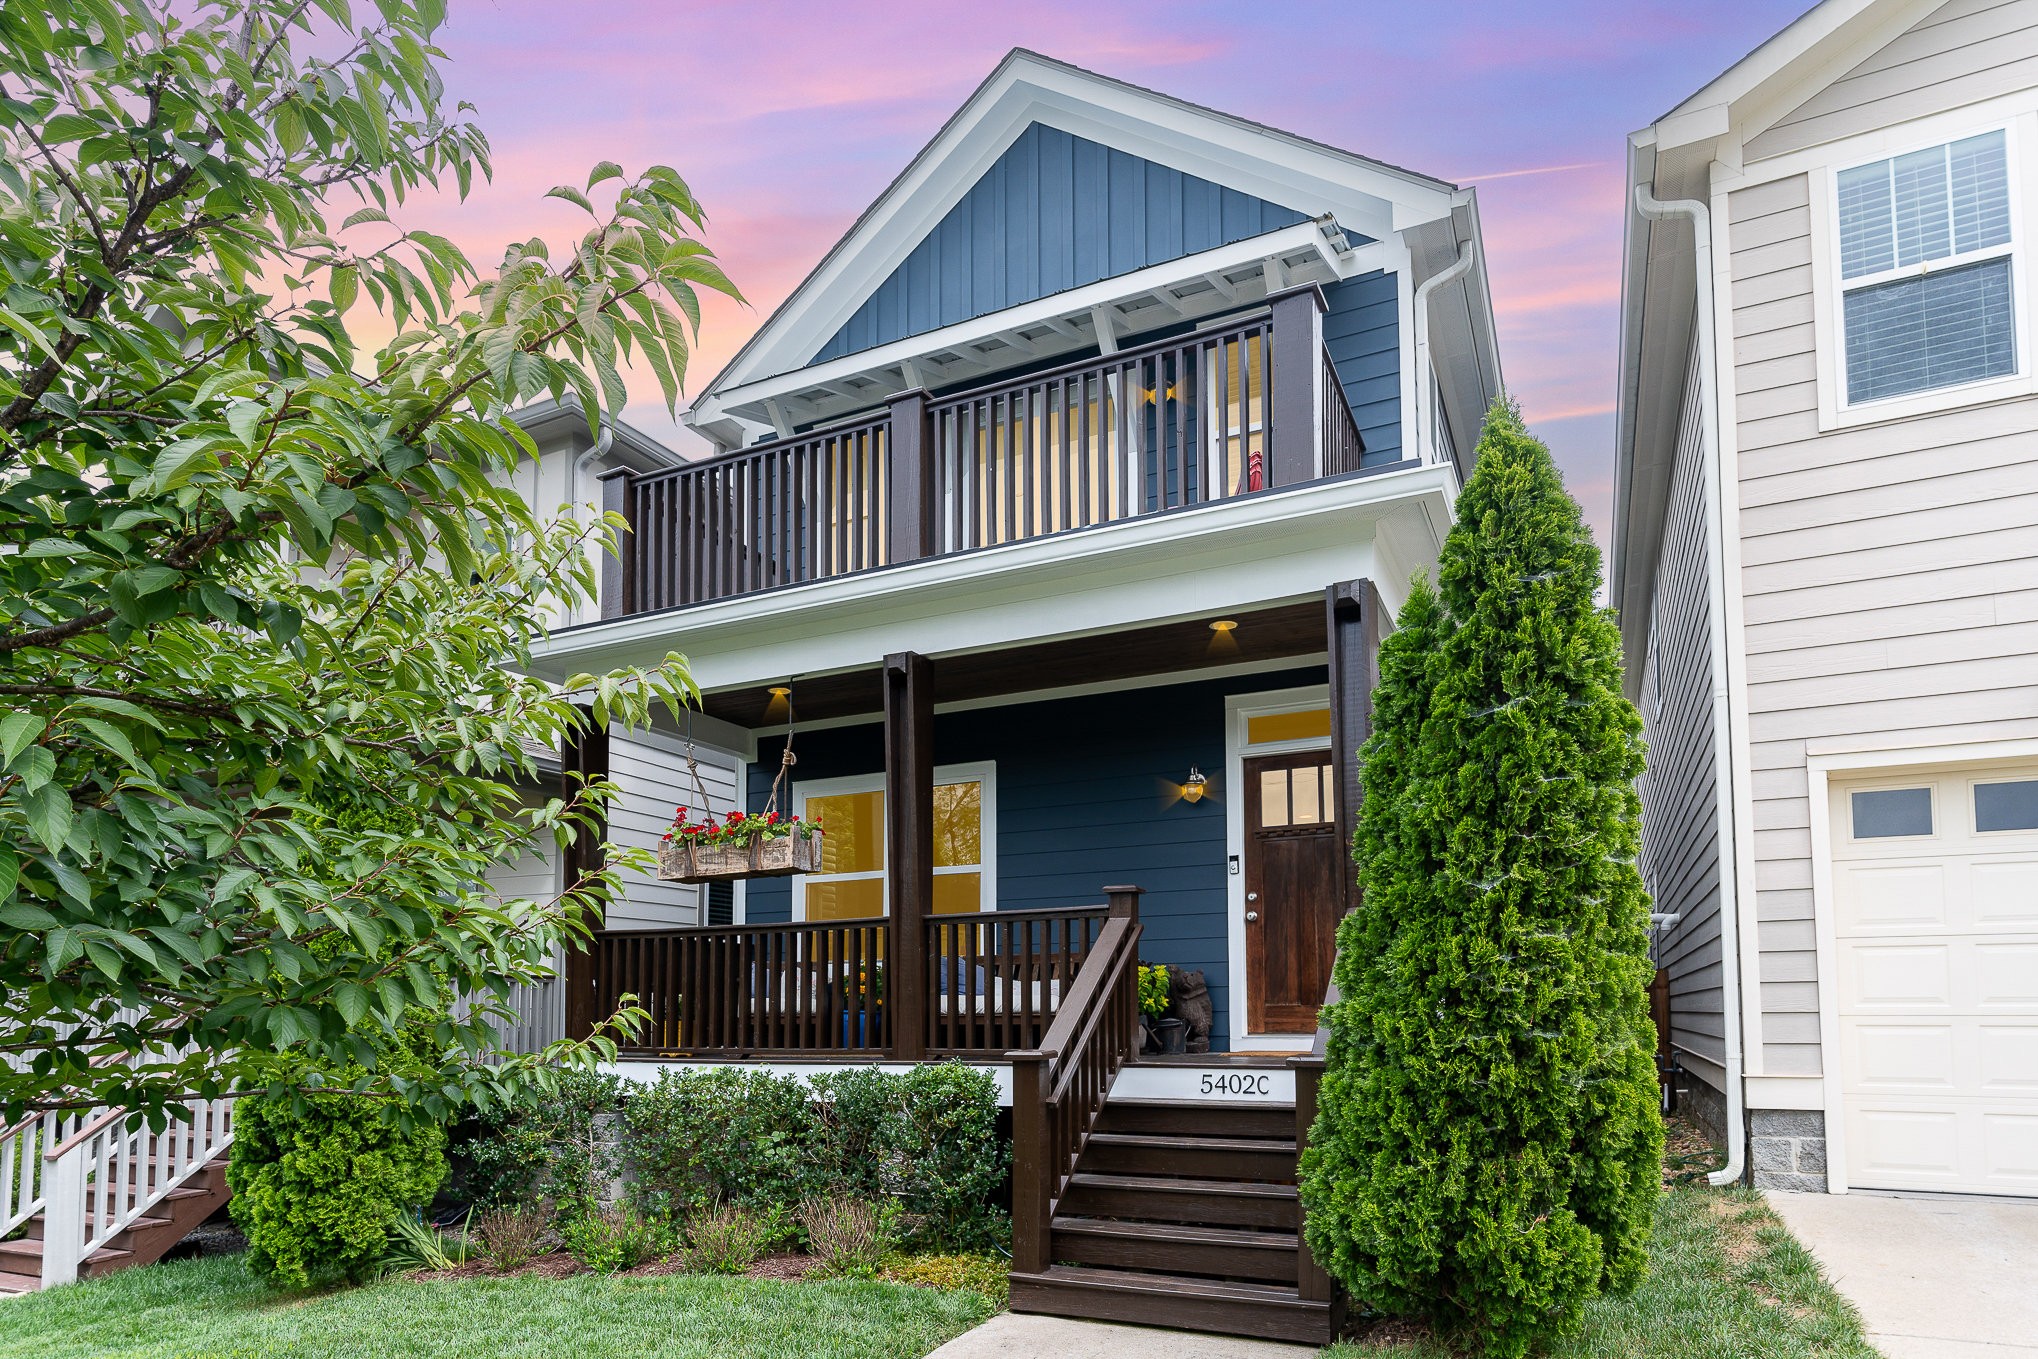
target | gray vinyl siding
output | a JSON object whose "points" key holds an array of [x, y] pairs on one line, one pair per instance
{"points": [[1963, 52], [540, 1008], [650, 773], [1889, 571], [1680, 805]]}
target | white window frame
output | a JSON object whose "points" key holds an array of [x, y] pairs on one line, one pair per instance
{"points": [[983, 772], [1836, 409]]}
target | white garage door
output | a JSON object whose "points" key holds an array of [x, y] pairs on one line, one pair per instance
{"points": [[1935, 887]]}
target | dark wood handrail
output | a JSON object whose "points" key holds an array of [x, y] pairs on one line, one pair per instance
{"points": [[1312, 1283], [1059, 1087], [762, 927]]}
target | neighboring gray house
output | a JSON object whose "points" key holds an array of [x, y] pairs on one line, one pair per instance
{"points": [[1826, 563]]}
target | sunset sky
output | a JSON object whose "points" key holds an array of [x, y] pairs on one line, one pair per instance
{"points": [[789, 118]]}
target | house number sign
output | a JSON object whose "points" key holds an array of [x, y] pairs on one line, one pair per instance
{"points": [[1236, 1084]]}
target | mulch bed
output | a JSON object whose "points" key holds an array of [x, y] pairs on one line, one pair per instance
{"points": [[1688, 1154]]}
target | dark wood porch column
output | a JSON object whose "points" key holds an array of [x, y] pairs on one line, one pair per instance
{"points": [[1356, 623], [585, 757], [909, 843], [1296, 387]]}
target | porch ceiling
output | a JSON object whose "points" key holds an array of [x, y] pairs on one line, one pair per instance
{"points": [[1277, 633]]}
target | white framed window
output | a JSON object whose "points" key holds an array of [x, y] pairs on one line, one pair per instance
{"points": [[1929, 274], [851, 884]]}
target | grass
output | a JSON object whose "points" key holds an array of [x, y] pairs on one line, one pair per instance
{"points": [[1726, 1281], [211, 1307]]}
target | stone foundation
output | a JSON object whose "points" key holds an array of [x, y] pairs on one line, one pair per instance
{"points": [[1703, 1105], [1787, 1149]]}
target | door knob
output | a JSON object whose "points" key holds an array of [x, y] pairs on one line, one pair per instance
{"points": [[1251, 916]]}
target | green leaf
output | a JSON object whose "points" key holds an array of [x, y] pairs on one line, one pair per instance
{"points": [[49, 816], [345, 285], [573, 196], [24, 916], [604, 170], [352, 1001], [17, 731]]}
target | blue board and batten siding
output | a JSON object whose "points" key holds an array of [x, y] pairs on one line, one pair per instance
{"points": [[1086, 792], [1055, 212], [1362, 333]]}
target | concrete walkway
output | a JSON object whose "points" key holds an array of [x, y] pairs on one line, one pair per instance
{"points": [[1933, 1278], [1012, 1336]]}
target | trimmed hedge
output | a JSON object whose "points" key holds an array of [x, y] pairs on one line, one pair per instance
{"points": [[926, 1139]]}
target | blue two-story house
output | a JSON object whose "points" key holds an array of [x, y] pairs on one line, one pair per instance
{"points": [[1055, 520]]}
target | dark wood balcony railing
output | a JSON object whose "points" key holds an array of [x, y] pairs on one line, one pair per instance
{"points": [[995, 981], [1186, 421]]}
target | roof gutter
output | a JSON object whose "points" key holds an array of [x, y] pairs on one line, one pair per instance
{"points": [[1425, 410], [1696, 212]]}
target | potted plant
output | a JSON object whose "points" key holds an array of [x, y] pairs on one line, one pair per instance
{"points": [[1153, 1005], [740, 845]]}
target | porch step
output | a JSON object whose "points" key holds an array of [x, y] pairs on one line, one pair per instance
{"points": [[1156, 1198], [1265, 1159], [1177, 1248], [1174, 1118], [1264, 1311], [23, 1256], [168, 1220]]}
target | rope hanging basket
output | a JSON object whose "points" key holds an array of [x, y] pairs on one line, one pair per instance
{"points": [[773, 858], [778, 849]]}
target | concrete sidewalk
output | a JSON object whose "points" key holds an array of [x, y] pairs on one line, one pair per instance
{"points": [[1010, 1335], [1933, 1278]]}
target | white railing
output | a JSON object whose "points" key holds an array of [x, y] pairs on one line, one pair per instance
{"points": [[112, 1170], [23, 1171]]}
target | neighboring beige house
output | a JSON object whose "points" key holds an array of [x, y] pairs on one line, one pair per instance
{"points": [[1826, 564]]}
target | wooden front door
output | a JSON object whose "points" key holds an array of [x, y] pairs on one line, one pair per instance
{"points": [[1292, 862]]}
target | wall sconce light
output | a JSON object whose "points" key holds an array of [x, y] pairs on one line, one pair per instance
{"points": [[1195, 786]]}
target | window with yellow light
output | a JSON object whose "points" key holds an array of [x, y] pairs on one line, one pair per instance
{"points": [[850, 884]]}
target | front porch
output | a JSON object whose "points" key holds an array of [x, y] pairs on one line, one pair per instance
{"points": [[983, 829]]}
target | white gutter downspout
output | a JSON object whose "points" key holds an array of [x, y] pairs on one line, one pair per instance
{"points": [[1695, 212], [1425, 432]]}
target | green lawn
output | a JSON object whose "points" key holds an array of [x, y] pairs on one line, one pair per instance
{"points": [[1726, 1281], [211, 1308]]}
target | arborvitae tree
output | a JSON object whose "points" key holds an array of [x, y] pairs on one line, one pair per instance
{"points": [[1487, 1144]]}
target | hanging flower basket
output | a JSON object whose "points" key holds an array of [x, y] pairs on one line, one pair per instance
{"points": [[741, 845]]}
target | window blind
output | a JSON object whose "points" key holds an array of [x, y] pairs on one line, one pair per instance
{"points": [[1937, 327]]}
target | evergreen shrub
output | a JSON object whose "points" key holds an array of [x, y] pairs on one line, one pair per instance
{"points": [[1486, 1151]]}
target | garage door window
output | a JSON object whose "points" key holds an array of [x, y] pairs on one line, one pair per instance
{"points": [[2006, 806], [1886, 813]]}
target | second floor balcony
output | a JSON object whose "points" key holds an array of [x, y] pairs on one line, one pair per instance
{"points": [[1242, 405]]}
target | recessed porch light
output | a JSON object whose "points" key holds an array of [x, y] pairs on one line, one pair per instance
{"points": [[1224, 625]]}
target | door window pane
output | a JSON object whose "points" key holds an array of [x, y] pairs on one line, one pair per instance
{"points": [[1274, 798], [2006, 806], [1889, 812], [1304, 726]]}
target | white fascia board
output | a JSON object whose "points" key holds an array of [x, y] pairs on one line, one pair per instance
{"points": [[1254, 551], [1368, 196], [1074, 302]]}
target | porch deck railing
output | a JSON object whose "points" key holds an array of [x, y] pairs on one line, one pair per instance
{"points": [[1190, 420], [995, 981]]}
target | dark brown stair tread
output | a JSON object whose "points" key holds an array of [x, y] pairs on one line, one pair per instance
{"points": [[1175, 1185], [1132, 1281], [1180, 1141], [1177, 1231], [1201, 1106]]}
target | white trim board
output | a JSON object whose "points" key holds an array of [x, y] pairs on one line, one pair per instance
{"points": [[1238, 708]]}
